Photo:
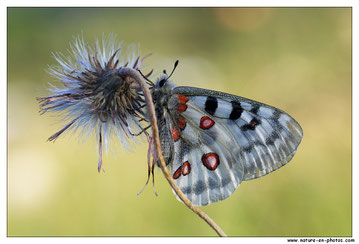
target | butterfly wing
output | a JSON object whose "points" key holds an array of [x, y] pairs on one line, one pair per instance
{"points": [[265, 137], [221, 139]]}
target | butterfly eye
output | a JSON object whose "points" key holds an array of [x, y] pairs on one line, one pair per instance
{"points": [[162, 82]]}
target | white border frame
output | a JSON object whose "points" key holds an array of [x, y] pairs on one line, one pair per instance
{"points": [[160, 3]]}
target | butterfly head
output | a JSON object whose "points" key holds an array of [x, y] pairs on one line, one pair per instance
{"points": [[163, 82]]}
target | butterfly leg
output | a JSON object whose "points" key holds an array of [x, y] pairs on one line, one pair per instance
{"points": [[153, 176], [99, 167], [150, 141], [143, 130], [150, 166]]}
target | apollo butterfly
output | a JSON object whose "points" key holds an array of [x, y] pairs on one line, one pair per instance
{"points": [[212, 141]]}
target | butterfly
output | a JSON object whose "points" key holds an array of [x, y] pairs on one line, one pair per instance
{"points": [[212, 141]]}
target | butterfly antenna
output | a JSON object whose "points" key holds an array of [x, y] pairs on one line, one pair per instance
{"points": [[174, 67]]}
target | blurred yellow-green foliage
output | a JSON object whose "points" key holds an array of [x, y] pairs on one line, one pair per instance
{"points": [[296, 59]]}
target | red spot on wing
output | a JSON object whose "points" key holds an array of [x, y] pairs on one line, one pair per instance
{"points": [[186, 168], [177, 173], [181, 122], [210, 161], [181, 108], [182, 99], [175, 134], [206, 123]]}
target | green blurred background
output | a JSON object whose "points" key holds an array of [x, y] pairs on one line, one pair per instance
{"points": [[296, 59]]}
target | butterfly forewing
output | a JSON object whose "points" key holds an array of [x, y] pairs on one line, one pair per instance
{"points": [[266, 137]]}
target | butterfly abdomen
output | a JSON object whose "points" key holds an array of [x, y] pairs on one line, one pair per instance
{"points": [[160, 99]]}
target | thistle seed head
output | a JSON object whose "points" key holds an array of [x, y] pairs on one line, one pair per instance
{"points": [[91, 94]]}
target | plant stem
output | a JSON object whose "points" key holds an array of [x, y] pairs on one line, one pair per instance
{"points": [[151, 109]]}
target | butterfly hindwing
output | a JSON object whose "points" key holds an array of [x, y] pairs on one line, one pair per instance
{"points": [[205, 173]]}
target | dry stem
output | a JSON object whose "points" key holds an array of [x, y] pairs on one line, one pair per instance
{"points": [[135, 75]]}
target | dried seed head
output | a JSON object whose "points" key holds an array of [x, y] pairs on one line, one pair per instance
{"points": [[93, 96]]}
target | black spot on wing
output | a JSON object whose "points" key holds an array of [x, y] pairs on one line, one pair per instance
{"points": [[225, 181], [276, 115], [236, 110], [269, 141], [186, 190], [258, 143], [211, 105], [255, 108], [248, 148], [199, 187], [274, 120], [213, 184], [274, 135], [251, 125]]}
